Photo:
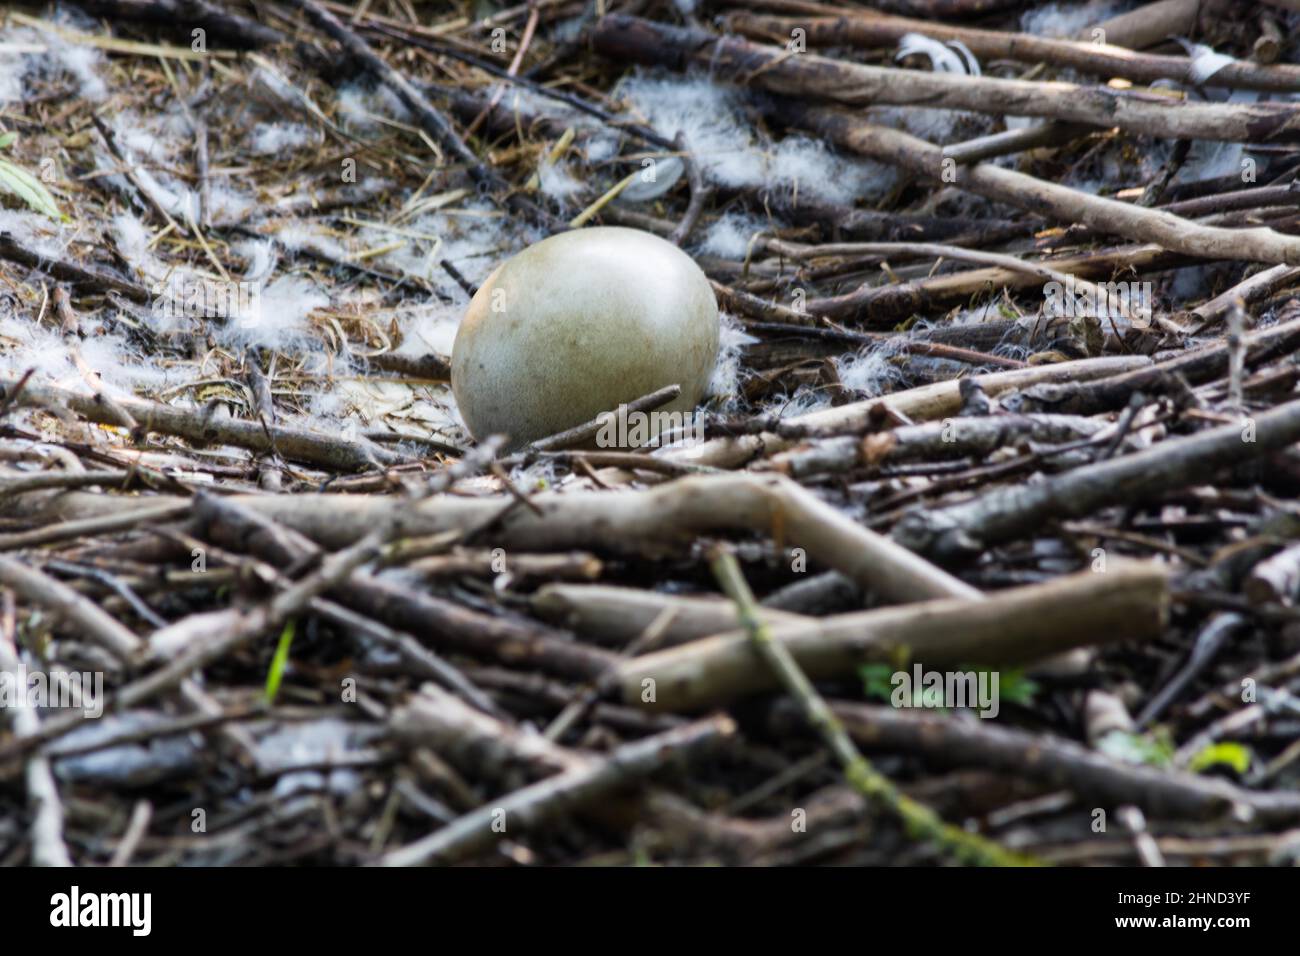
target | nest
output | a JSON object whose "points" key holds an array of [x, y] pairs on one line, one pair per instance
{"points": [[981, 548]]}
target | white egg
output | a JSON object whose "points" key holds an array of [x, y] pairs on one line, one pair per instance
{"points": [[578, 324]]}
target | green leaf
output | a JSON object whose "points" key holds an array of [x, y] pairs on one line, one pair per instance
{"points": [[1014, 687], [1236, 756], [1154, 749], [29, 189], [876, 680], [7, 140], [278, 663]]}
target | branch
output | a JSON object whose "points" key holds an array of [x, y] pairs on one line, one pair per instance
{"points": [[631, 39], [874, 786], [527, 809], [1007, 513], [1127, 602]]}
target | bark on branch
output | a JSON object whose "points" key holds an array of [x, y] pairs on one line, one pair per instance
{"points": [[1127, 602], [631, 39]]}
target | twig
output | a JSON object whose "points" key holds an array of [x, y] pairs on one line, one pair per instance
{"points": [[1061, 763], [920, 820], [526, 809], [627, 38], [581, 434], [1055, 201], [948, 534], [1127, 602], [700, 194], [48, 847], [430, 120], [630, 521], [867, 30], [91, 622], [332, 451]]}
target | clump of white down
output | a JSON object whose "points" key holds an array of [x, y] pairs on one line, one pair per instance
{"points": [[278, 139], [729, 236], [732, 153], [869, 372], [1066, 20], [31, 54], [724, 386], [53, 359], [936, 126]]}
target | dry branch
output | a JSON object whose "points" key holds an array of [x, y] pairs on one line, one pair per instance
{"points": [[204, 427], [1194, 366], [1127, 602], [48, 847], [1060, 763], [628, 521], [949, 534], [919, 819], [88, 278], [526, 809], [867, 30], [932, 441], [630, 39], [617, 615], [884, 305], [92, 623], [925, 402], [239, 524], [1060, 203]]}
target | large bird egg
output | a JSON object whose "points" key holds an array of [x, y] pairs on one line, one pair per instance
{"points": [[578, 324]]}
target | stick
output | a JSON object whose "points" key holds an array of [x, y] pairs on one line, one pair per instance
{"points": [[430, 120], [1061, 763], [1057, 202], [1250, 290], [48, 848], [1276, 578], [472, 739], [93, 280], [581, 434], [438, 621], [872, 785], [700, 194], [867, 30], [631, 39], [95, 524], [632, 521], [1040, 270], [91, 623], [331, 451], [1129, 601], [223, 24], [885, 305], [1195, 367], [932, 441], [526, 809], [617, 615], [962, 530], [926, 402]]}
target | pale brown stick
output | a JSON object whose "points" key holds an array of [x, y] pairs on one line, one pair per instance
{"points": [[1127, 602], [807, 75], [534, 805]]}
